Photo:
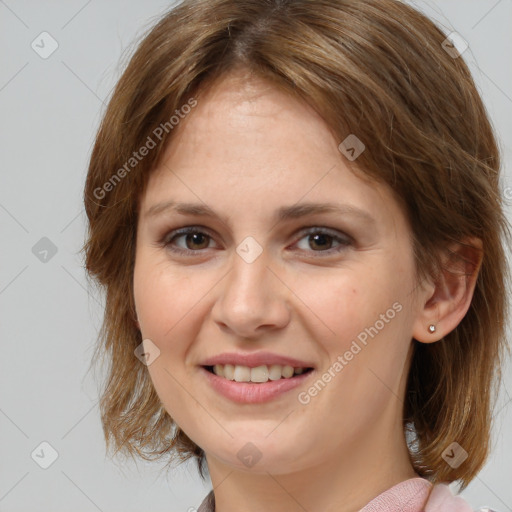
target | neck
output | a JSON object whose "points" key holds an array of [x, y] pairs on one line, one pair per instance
{"points": [[343, 482]]}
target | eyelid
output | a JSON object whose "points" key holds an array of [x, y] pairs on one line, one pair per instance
{"points": [[175, 233], [344, 241], [335, 233], [341, 237]]}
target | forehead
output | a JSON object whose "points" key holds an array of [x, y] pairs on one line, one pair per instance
{"points": [[248, 145]]}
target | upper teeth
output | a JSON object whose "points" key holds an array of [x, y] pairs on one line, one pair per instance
{"points": [[262, 373]]}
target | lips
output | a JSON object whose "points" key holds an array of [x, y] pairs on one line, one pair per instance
{"points": [[256, 359], [255, 393], [252, 392]]}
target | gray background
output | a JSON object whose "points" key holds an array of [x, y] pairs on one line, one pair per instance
{"points": [[50, 110]]}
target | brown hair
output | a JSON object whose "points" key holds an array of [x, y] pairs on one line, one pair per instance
{"points": [[374, 68]]}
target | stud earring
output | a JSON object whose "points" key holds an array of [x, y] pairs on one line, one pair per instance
{"points": [[432, 328]]}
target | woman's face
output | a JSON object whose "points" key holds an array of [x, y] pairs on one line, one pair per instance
{"points": [[269, 275]]}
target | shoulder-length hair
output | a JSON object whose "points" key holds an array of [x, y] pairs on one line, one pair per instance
{"points": [[374, 68]]}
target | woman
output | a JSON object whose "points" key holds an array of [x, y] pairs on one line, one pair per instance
{"points": [[242, 137]]}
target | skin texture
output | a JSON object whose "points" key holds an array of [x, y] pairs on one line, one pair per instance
{"points": [[246, 150]]}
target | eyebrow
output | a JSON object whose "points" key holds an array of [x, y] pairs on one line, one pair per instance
{"points": [[284, 213]]}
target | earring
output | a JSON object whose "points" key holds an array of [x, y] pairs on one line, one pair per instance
{"points": [[432, 328]]}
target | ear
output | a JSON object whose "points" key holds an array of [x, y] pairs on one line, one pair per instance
{"points": [[448, 296]]}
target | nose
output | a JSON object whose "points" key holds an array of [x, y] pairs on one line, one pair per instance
{"points": [[252, 300]]}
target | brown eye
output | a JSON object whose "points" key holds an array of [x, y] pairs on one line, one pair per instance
{"points": [[319, 240], [195, 241], [190, 240]]}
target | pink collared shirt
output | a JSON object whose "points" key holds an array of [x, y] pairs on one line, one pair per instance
{"points": [[417, 495], [413, 495]]}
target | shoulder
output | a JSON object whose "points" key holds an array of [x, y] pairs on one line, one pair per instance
{"points": [[441, 499], [419, 495]]}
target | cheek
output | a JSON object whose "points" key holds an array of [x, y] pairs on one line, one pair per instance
{"points": [[162, 296], [366, 346], [369, 335], [346, 305], [165, 303]]}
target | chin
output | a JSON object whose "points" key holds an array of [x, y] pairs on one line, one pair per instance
{"points": [[257, 454]]}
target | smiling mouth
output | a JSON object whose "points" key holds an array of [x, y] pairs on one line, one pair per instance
{"points": [[259, 374]]}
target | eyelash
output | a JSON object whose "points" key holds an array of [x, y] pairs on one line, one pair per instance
{"points": [[344, 241]]}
